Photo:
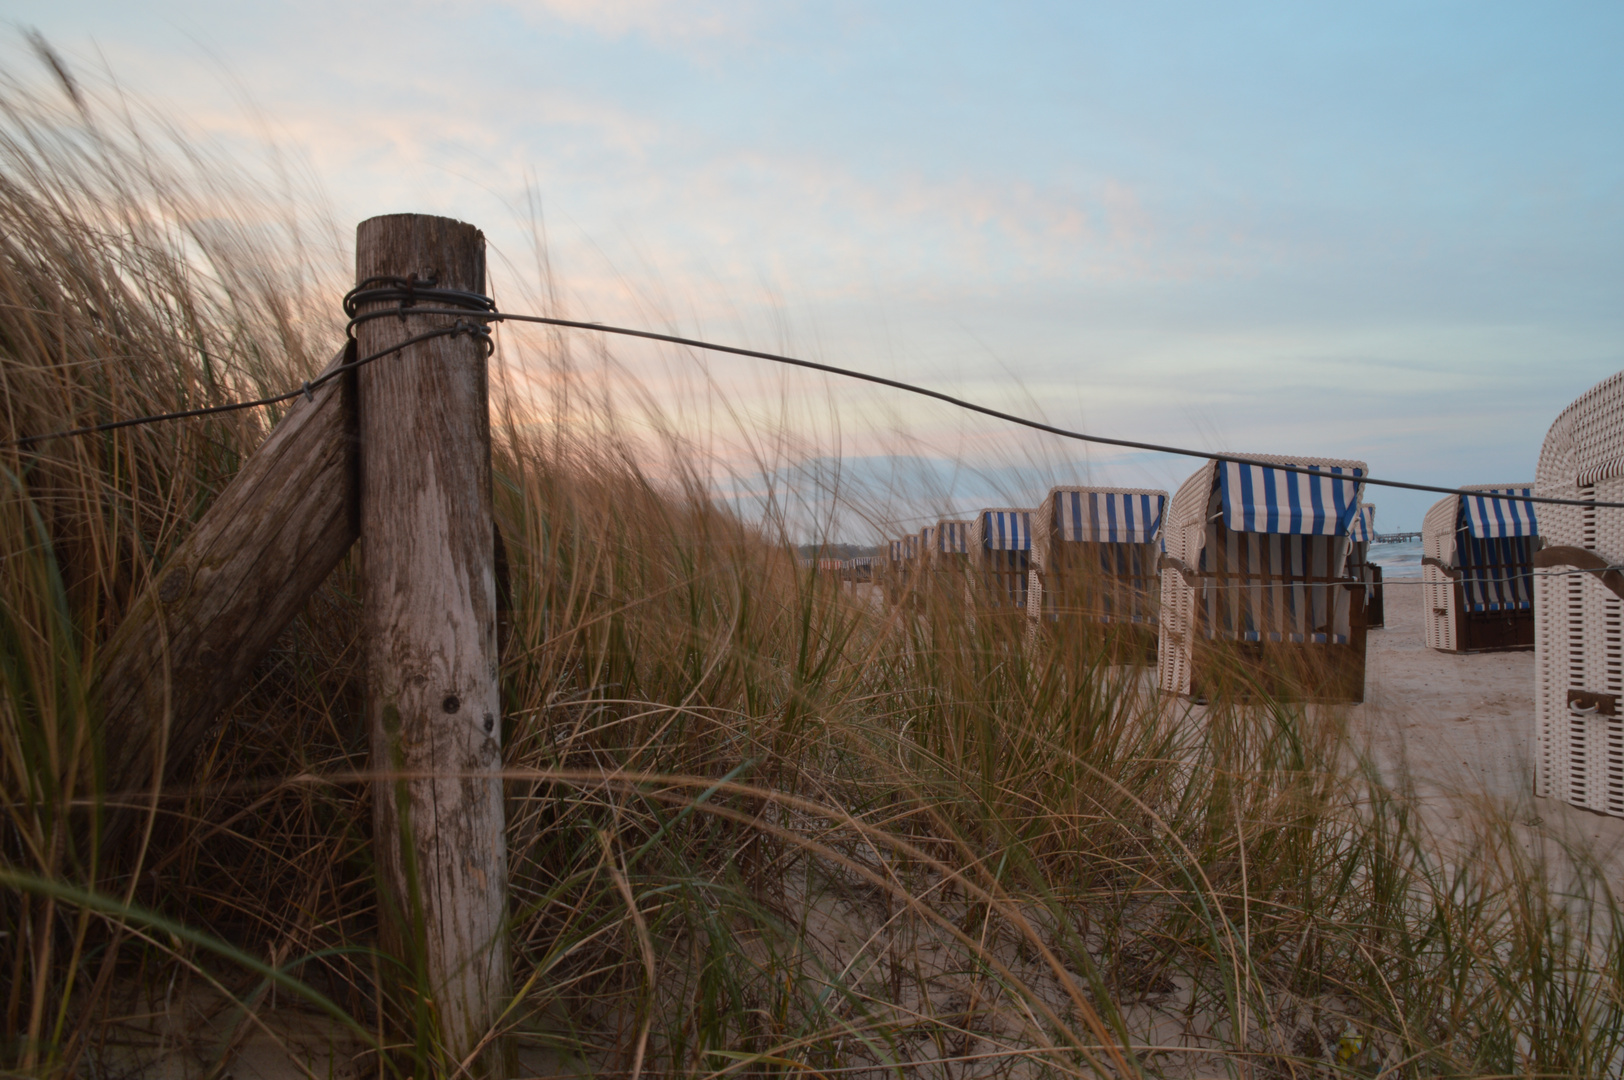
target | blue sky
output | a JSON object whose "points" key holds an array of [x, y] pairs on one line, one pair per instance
{"points": [[1384, 231]]}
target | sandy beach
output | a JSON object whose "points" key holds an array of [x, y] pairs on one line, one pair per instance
{"points": [[1463, 726]]}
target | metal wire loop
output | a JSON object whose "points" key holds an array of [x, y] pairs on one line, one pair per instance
{"points": [[408, 293]]}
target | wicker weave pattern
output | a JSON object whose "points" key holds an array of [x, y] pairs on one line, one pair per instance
{"points": [[1597, 437], [1438, 588], [1579, 639], [1186, 531], [1175, 634]]}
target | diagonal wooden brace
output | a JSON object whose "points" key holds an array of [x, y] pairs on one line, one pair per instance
{"points": [[190, 642]]}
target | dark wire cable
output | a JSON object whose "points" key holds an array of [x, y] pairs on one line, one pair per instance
{"points": [[304, 390], [1206, 455], [475, 309]]}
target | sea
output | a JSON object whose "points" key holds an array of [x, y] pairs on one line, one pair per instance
{"points": [[1397, 560]]}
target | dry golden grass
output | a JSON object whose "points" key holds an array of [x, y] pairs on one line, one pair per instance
{"points": [[758, 824]]}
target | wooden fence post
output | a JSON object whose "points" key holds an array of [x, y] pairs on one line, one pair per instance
{"points": [[429, 623]]}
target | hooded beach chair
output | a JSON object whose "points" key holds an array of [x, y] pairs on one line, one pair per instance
{"points": [[1094, 562], [953, 538], [908, 567], [926, 564], [1579, 606], [892, 570], [927, 547], [1255, 581], [950, 556], [1477, 570], [1360, 537], [1000, 557]]}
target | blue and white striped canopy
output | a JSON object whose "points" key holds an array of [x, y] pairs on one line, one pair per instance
{"points": [[1007, 530], [953, 537], [1488, 518], [910, 547], [927, 539], [1364, 525], [896, 550], [1496, 574], [1111, 517], [1261, 499]]}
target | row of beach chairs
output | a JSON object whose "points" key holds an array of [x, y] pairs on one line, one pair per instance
{"points": [[1252, 568], [1270, 562], [1251, 565]]}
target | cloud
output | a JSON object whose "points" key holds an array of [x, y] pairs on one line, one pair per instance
{"points": [[1065, 226]]}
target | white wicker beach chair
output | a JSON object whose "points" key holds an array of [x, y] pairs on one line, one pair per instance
{"points": [[894, 569], [1255, 580], [1094, 561], [922, 565], [1579, 606], [1000, 557], [927, 547], [1477, 560], [911, 558], [950, 552], [1361, 536], [953, 537], [912, 567], [890, 570]]}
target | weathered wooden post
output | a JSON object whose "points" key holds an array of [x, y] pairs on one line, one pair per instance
{"points": [[429, 620], [189, 644]]}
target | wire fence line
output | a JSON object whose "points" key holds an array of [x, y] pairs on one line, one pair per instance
{"points": [[414, 297], [304, 390], [1355, 583]]}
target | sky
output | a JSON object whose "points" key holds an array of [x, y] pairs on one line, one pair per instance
{"points": [[1392, 232]]}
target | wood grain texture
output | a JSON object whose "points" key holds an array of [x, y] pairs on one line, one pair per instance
{"points": [[189, 644], [429, 621]]}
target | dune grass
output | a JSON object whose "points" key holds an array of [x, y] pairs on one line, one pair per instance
{"points": [[759, 824]]}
